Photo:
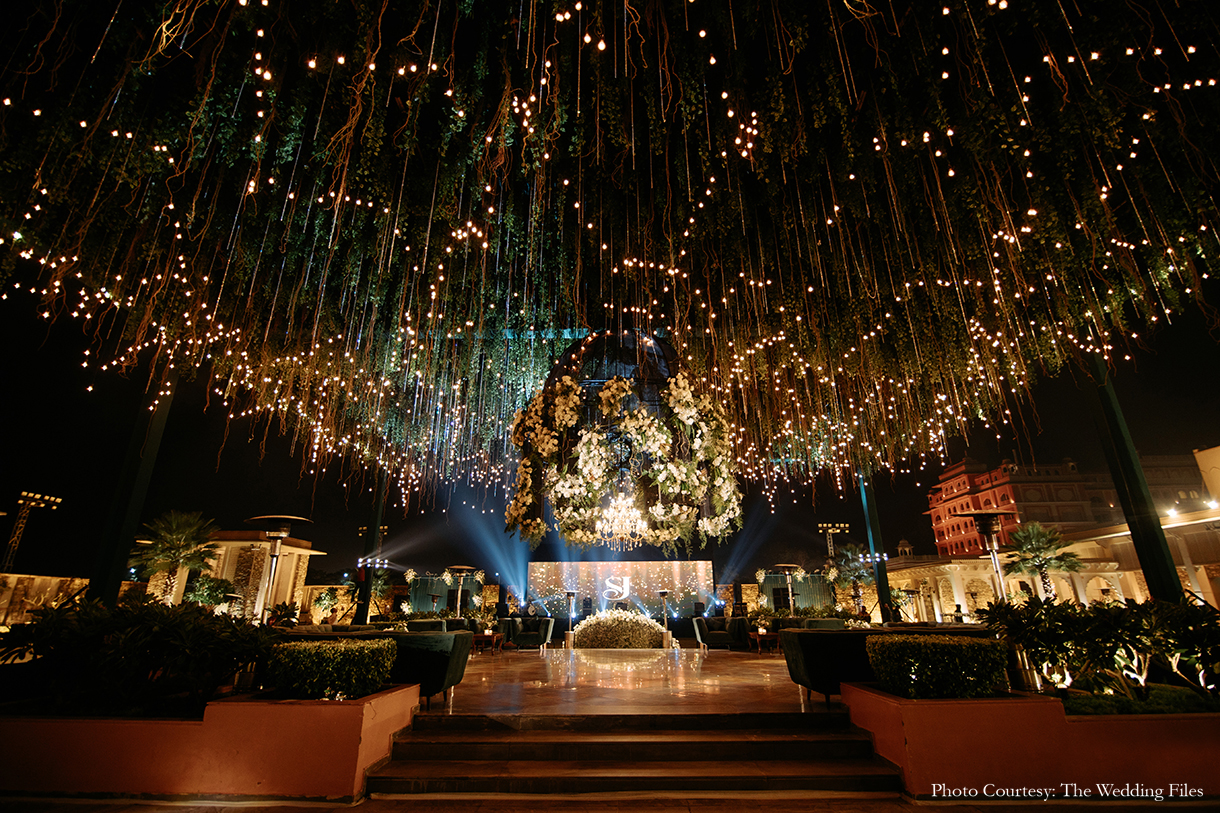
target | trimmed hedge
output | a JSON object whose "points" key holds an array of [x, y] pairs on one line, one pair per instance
{"points": [[938, 666], [336, 670]]}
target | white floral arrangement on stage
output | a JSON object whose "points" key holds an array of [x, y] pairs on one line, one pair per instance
{"points": [[681, 464], [618, 629]]}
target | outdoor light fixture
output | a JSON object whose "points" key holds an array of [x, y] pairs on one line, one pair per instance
{"points": [[461, 571], [571, 594], [788, 570], [664, 607], [27, 501], [831, 528], [276, 528], [988, 523]]}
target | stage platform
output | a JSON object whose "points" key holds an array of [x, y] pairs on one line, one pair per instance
{"points": [[627, 681]]}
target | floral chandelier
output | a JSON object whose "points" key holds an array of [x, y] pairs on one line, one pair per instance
{"points": [[623, 461]]}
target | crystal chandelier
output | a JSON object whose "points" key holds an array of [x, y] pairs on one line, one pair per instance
{"points": [[621, 526]]}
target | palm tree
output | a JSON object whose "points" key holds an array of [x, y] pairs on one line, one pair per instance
{"points": [[380, 591], [850, 568], [179, 540], [1039, 550]]}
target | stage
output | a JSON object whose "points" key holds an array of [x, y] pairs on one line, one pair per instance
{"points": [[627, 681]]}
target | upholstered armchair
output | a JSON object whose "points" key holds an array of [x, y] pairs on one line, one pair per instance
{"points": [[719, 631], [527, 631]]}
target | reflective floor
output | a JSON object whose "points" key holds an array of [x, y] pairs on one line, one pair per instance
{"points": [[626, 681]]}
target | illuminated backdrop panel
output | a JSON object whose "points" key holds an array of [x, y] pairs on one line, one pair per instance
{"points": [[634, 583]]}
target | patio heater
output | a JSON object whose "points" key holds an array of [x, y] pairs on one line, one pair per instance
{"points": [[988, 523], [435, 597], [462, 571], [788, 570], [276, 527]]}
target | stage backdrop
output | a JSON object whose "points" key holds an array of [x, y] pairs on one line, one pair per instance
{"points": [[606, 584]]}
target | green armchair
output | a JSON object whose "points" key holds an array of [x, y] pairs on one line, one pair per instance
{"points": [[527, 631], [434, 660], [732, 632]]}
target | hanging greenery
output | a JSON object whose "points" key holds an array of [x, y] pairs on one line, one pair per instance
{"points": [[374, 225], [671, 462]]}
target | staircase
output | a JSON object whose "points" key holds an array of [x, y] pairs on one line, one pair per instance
{"points": [[632, 753]]}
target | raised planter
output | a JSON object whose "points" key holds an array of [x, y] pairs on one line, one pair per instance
{"points": [[245, 747], [1020, 745]]}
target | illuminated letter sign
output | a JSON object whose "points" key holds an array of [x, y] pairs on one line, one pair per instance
{"points": [[617, 588]]}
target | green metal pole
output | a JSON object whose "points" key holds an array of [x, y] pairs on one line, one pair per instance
{"points": [[372, 544], [1142, 519], [123, 518], [875, 546]]}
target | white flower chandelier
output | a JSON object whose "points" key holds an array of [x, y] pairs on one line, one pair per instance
{"points": [[621, 526], [640, 464]]}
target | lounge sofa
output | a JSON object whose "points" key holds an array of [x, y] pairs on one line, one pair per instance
{"points": [[434, 660], [822, 659], [732, 632], [527, 631]]}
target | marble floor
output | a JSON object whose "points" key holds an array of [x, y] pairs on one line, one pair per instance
{"points": [[626, 681]]}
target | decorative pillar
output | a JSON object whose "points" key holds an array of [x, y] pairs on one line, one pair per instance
{"points": [[934, 588], [1080, 588], [959, 589], [1184, 552], [248, 579]]}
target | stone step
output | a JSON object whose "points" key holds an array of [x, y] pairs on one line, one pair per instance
{"points": [[401, 777], [639, 745], [734, 721]]}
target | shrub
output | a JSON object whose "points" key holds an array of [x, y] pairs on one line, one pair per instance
{"points": [[1114, 646], [140, 658], [283, 614], [1161, 700], [332, 669], [618, 629], [930, 666], [208, 591]]}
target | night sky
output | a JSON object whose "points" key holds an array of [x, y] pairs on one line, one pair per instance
{"points": [[64, 440]]}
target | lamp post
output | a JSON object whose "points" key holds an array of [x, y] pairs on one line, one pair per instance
{"points": [[988, 523], [571, 594], [276, 527], [664, 607]]}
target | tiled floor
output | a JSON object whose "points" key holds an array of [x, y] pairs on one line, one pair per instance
{"points": [[591, 681]]}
